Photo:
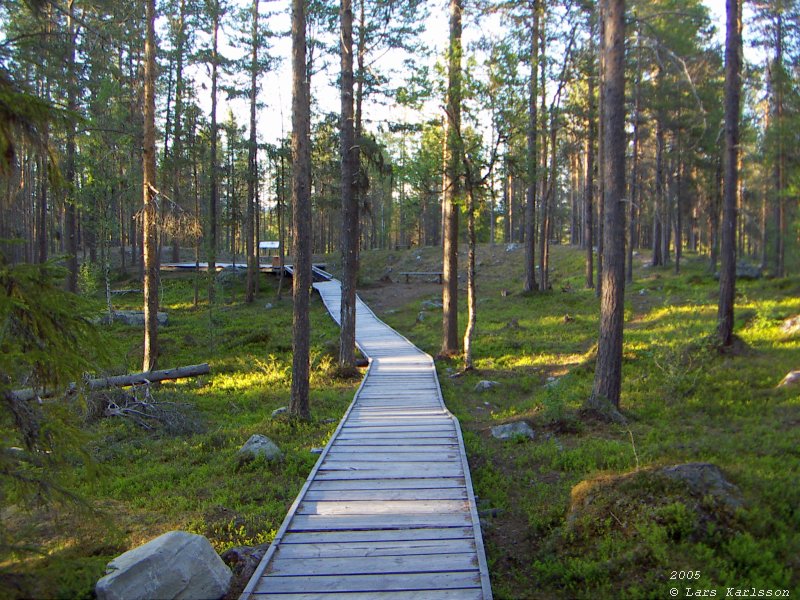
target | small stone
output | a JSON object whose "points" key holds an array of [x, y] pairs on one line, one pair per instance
{"points": [[643, 292], [513, 430], [552, 382], [280, 411], [484, 385], [431, 304], [511, 247], [259, 445], [268, 305], [792, 378], [317, 450], [421, 316], [791, 326], [328, 421]]}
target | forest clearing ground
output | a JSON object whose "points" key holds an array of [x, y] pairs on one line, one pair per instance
{"points": [[684, 402]]}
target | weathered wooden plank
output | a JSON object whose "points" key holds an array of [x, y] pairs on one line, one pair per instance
{"points": [[391, 456], [370, 439], [372, 565], [377, 536], [365, 470], [342, 447], [375, 548], [385, 507], [458, 594], [388, 495], [382, 483], [361, 522], [370, 583]]}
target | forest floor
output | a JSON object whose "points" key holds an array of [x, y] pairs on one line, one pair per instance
{"points": [[580, 511]]}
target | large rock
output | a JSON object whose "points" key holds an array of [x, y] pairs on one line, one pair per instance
{"points": [[513, 430], [745, 271], [259, 445], [792, 378], [705, 479], [176, 565]]}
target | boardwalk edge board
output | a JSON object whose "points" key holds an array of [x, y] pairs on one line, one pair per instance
{"points": [[376, 518]]}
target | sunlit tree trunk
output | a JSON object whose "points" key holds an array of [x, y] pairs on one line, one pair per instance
{"points": [[149, 214], [214, 187], [252, 167], [301, 200], [589, 189], [608, 370], [348, 150], [533, 155], [733, 87], [452, 187]]}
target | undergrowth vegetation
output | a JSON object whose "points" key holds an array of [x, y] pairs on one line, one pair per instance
{"points": [[581, 511], [183, 473]]}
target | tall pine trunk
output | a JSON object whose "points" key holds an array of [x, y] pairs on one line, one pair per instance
{"points": [[252, 167], [213, 197], [589, 190], [149, 214], [301, 199], [608, 370], [452, 187], [348, 153], [727, 273], [70, 226], [533, 155]]}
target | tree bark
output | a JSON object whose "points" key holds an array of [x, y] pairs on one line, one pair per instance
{"points": [[149, 214], [301, 199], [589, 190], [213, 197], [608, 370], [103, 383], [727, 274], [533, 154], [452, 187], [252, 167], [349, 154], [70, 227]]}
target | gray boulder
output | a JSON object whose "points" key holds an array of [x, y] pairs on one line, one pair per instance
{"points": [[513, 430], [705, 479], [431, 304], [133, 318], [176, 565], [792, 378], [280, 411], [745, 271], [259, 445], [484, 385]]}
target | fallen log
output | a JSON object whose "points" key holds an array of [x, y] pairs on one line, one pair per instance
{"points": [[119, 381]]}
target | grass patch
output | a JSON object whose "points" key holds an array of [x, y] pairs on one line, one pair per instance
{"points": [[144, 482], [685, 402]]}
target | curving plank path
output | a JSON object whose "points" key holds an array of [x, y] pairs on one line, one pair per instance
{"points": [[388, 511]]}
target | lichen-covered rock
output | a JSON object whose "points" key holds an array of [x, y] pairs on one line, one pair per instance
{"points": [[791, 326], [513, 430], [133, 318], [706, 479], [484, 385], [792, 378], [177, 565], [259, 445]]}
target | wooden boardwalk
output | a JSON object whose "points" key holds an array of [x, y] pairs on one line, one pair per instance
{"points": [[388, 511]]}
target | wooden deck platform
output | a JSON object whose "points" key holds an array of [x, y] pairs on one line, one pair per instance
{"points": [[388, 511]]}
